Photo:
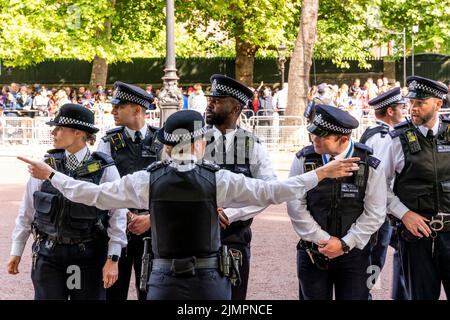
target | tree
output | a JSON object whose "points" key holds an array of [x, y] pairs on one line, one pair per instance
{"points": [[301, 60], [103, 31], [252, 24]]}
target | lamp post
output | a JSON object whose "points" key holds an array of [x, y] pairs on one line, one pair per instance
{"points": [[170, 97], [415, 29], [281, 50]]}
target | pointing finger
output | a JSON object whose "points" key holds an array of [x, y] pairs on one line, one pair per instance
{"points": [[29, 161]]}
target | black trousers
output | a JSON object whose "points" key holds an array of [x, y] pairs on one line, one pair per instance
{"points": [[69, 271], [398, 278], [206, 284], [424, 271], [379, 250], [131, 257], [347, 274]]}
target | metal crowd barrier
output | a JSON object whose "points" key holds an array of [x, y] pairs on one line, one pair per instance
{"points": [[277, 132]]}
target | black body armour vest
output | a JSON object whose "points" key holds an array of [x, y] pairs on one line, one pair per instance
{"points": [[129, 156], [383, 130], [335, 204], [183, 209], [61, 218], [424, 183], [238, 231]]}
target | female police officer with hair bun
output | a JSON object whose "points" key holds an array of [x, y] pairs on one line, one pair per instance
{"points": [[183, 194], [72, 240]]}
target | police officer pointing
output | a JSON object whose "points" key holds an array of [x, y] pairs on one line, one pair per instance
{"points": [[71, 239], [133, 147], [336, 219], [183, 194], [238, 150], [419, 161]]}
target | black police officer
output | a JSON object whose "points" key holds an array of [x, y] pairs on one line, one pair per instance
{"points": [[238, 150], [419, 160], [133, 147], [71, 239], [336, 219]]}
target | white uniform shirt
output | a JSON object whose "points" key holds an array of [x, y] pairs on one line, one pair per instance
{"points": [[260, 168], [232, 190], [367, 223], [394, 162], [106, 146], [377, 142], [22, 229]]}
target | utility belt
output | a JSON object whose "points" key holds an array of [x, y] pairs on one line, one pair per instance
{"points": [[438, 223], [318, 259], [52, 240], [227, 264], [139, 212]]}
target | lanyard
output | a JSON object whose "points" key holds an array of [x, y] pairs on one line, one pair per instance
{"points": [[350, 151]]}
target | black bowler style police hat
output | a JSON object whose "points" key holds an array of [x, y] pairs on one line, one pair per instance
{"points": [[331, 120], [74, 116], [127, 93], [223, 86], [182, 126], [423, 88], [393, 96]]}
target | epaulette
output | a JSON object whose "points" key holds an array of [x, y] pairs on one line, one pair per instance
{"points": [[211, 166], [53, 151], [158, 164], [110, 132], [306, 151], [105, 158], [445, 119], [249, 134], [363, 147], [152, 129], [373, 162]]}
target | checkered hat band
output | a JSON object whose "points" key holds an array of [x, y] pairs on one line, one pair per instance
{"points": [[414, 85], [388, 102], [184, 137], [66, 120], [121, 95], [231, 91], [329, 126]]}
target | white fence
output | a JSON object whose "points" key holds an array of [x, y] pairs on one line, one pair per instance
{"points": [[275, 131]]}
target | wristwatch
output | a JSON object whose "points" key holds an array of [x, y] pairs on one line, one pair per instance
{"points": [[345, 246], [113, 257]]}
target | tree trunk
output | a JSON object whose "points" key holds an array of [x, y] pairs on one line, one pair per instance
{"points": [[245, 60], [99, 73], [100, 65], [301, 61]]}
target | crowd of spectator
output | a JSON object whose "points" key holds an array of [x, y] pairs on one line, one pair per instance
{"points": [[38, 100]]}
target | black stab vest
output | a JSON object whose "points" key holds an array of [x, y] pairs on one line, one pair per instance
{"points": [[183, 209], [61, 218], [424, 183], [238, 231], [335, 204]]}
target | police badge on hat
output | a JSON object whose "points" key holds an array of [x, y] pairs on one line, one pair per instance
{"points": [[423, 88], [223, 86]]}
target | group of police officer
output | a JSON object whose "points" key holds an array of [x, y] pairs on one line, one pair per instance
{"points": [[338, 194]]}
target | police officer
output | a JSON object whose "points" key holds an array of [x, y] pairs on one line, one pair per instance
{"points": [[133, 147], [235, 149], [71, 239], [336, 219], [419, 160], [183, 194], [388, 109]]}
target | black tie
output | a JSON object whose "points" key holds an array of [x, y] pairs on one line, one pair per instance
{"points": [[137, 137], [430, 135]]}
